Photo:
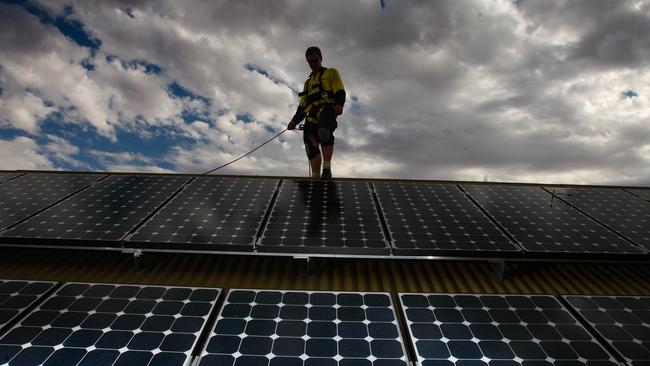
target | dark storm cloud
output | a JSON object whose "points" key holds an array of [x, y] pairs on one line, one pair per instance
{"points": [[617, 42]]}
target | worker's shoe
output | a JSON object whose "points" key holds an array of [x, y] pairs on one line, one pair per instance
{"points": [[326, 175]]}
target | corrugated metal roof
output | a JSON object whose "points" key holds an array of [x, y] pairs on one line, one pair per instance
{"points": [[324, 274]]}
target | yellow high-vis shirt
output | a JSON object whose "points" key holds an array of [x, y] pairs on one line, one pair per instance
{"points": [[330, 82]]}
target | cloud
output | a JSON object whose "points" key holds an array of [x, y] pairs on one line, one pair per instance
{"points": [[503, 90], [44, 73], [23, 153]]}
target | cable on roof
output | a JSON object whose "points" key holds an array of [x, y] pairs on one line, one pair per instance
{"points": [[248, 153]]}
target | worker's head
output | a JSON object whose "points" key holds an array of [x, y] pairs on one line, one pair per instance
{"points": [[314, 58]]}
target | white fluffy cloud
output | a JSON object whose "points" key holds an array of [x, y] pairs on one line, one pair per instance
{"points": [[23, 153]]}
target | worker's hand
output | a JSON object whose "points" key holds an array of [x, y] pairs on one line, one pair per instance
{"points": [[339, 109], [291, 126]]}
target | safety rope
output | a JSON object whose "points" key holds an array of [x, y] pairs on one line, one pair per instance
{"points": [[248, 153]]}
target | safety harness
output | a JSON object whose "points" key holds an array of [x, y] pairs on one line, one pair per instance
{"points": [[316, 97]]}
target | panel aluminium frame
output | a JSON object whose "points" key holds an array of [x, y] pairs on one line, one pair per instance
{"points": [[90, 324], [439, 219], [30, 194], [622, 321], [7, 176], [17, 296], [315, 217], [498, 328], [641, 193], [209, 214], [100, 216], [613, 208], [547, 228], [291, 327]]}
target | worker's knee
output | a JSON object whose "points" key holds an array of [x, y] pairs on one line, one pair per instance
{"points": [[312, 151], [325, 136], [326, 126]]}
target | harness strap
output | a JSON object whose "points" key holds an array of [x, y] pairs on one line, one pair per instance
{"points": [[316, 94]]}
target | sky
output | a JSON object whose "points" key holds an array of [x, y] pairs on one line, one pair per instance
{"points": [[477, 90]]}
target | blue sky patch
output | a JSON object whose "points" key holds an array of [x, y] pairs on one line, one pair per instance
{"points": [[155, 146], [246, 117], [149, 68], [71, 28], [260, 70], [177, 90], [630, 94]]}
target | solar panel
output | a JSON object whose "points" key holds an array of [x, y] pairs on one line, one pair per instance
{"points": [[324, 217], [424, 218], [28, 194], [210, 214], [468, 329], [624, 321], [16, 296], [86, 324], [6, 176], [615, 208], [105, 212], [290, 328], [544, 226]]}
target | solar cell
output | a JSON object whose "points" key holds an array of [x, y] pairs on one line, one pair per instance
{"points": [[544, 226], [438, 219], [324, 217], [469, 329], [16, 296], [286, 328], [209, 214], [30, 193], [103, 213], [615, 208], [624, 321], [88, 324]]}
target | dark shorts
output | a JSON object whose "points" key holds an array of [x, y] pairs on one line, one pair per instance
{"points": [[327, 120]]}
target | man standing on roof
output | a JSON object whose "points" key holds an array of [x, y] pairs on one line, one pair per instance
{"points": [[321, 100]]}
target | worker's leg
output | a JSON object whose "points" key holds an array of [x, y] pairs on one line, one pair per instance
{"points": [[327, 125], [315, 166], [327, 152], [310, 138]]}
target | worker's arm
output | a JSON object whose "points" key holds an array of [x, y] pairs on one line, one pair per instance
{"points": [[339, 98], [300, 112], [339, 91], [297, 118]]}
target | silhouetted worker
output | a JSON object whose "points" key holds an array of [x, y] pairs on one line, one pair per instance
{"points": [[321, 100]]}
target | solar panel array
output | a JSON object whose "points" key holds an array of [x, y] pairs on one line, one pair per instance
{"points": [[617, 209], [324, 217], [210, 214], [104, 212], [223, 214], [468, 329], [542, 225], [95, 324], [87, 324], [437, 219], [623, 321], [16, 296], [289, 328], [28, 194]]}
